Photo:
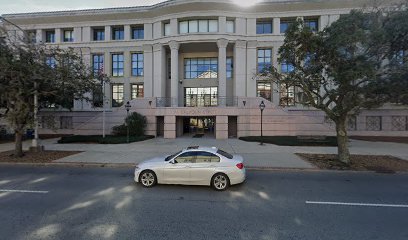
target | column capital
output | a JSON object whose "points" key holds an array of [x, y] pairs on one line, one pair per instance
{"points": [[147, 48], [252, 44], [222, 43], [157, 47], [240, 44], [174, 45]]}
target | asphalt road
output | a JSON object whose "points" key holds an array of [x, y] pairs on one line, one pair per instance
{"points": [[105, 203]]}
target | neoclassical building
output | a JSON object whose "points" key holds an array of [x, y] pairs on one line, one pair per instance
{"points": [[189, 66]]}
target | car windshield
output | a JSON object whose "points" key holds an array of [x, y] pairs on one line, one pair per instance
{"points": [[225, 154], [172, 156]]}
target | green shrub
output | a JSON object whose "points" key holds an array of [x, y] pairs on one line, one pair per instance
{"points": [[109, 139], [137, 124], [329, 141]]}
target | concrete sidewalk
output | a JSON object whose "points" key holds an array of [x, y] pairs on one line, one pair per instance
{"points": [[267, 156]]}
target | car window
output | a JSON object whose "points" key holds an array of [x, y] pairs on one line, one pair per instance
{"points": [[224, 153], [187, 157], [206, 157], [172, 156]]}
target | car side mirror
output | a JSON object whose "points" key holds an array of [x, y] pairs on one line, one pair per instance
{"points": [[173, 161]]}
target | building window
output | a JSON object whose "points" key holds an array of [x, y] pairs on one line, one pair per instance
{"points": [[117, 65], [193, 26], [312, 24], [287, 95], [284, 25], [50, 36], [373, 123], [137, 91], [97, 64], [400, 57], [286, 67], [264, 89], [68, 35], [137, 64], [138, 32], [66, 122], [201, 97], [117, 95], [51, 62], [200, 68], [118, 33], [264, 59], [399, 123], [98, 96], [230, 26], [229, 67], [167, 29], [98, 34], [264, 27]]}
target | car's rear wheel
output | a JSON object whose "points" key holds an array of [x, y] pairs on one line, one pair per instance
{"points": [[148, 178], [220, 181]]}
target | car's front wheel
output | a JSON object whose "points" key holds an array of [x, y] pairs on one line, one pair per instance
{"points": [[148, 178], [220, 181]]}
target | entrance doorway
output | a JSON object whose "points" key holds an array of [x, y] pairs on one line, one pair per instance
{"points": [[160, 126], [232, 127], [199, 126]]}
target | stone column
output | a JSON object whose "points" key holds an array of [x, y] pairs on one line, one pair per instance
{"points": [[108, 33], [107, 68], [276, 26], [87, 34], [58, 35], [222, 25], [148, 31], [127, 32], [251, 26], [77, 34], [148, 70], [159, 75], [174, 47], [170, 127], [173, 27], [275, 86], [126, 81], [39, 36], [239, 68], [251, 68], [222, 71], [221, 127]]}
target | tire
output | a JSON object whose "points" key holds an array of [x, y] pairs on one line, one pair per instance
{"points": [[220, 181], [148, 178]]}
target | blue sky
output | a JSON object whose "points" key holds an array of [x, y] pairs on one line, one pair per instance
{"points": [[22, 6]]}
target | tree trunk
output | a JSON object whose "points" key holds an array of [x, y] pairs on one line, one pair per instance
{"points": [[18, 150], [342, 141]]}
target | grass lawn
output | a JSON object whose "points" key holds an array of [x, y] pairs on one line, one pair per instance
{"points": [[109, 139], [381, 163], [329, 141]]}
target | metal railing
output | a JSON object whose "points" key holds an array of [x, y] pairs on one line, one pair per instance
{"points": [[216, 101]]}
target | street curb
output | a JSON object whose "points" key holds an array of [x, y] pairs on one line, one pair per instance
{"points": [[68, 164]]}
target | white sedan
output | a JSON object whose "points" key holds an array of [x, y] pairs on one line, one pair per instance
{"points": [[193, 166]]}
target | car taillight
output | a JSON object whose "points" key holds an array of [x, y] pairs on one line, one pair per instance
{"points": [[240, 165]]}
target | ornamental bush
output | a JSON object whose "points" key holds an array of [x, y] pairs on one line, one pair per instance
{"points": [[137, 124]]}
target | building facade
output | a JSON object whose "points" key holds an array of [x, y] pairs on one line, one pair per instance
{"points": [[190, 67]]}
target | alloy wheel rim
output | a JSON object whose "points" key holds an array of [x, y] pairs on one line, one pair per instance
{"points": [[147, 179], [220, 182]]}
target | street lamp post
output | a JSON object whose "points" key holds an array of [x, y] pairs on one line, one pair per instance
{"points": [[262, 108], [127, 106]]}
